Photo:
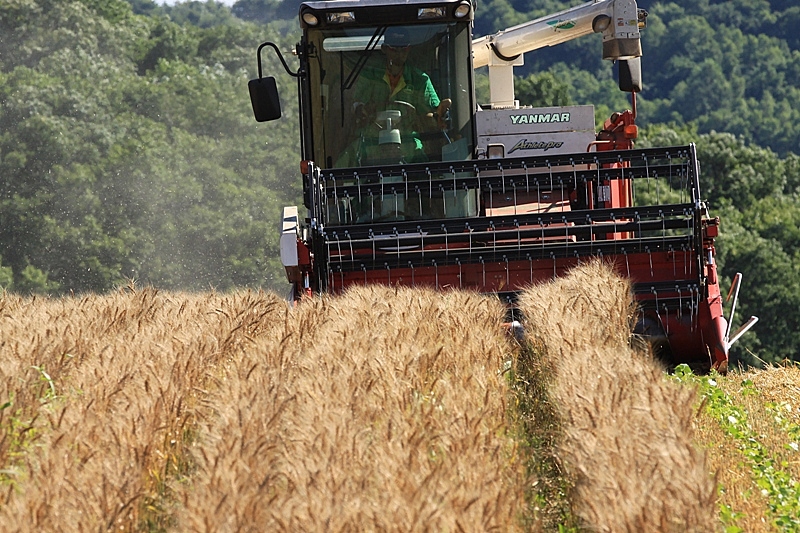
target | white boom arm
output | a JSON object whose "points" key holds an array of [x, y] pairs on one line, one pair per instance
{"points": [[617, 20]]}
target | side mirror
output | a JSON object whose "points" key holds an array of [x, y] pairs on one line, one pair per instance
{"points": [[630, 75], [265, 100]]}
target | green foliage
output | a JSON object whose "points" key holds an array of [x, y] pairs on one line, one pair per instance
{"points": [[771, 286], [6, 277], [728, 517], [205, 14], [265, 11], [128, 149], [201, 14], [541, 90], [726, 67], [739, 172]]}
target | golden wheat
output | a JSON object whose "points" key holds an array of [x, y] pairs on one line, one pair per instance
{"points": [[626, 439], [142, 410], [100, 390], [382, 409]]}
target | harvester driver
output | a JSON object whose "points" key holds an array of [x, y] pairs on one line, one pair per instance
{"points": [[401, 101]]}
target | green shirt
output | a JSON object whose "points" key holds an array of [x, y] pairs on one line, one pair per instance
{"points": [[414, 87]]}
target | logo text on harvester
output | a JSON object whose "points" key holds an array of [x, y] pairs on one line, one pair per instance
{"points": [[540, 118], [524, 144]]}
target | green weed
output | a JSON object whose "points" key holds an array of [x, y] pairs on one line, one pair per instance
{"points": [[775, 483]]}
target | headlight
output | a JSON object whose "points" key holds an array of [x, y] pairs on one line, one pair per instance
{"points": [[601, 23], [310, 18], [462, 10]]}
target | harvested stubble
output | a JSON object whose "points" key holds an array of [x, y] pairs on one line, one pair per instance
{"points": [[771, 403], [626, 433], [382, 410]]}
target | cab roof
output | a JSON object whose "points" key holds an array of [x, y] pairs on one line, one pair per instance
{"points": [[380, 12]]}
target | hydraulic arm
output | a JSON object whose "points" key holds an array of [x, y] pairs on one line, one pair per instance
{"points": [[618, 21]]}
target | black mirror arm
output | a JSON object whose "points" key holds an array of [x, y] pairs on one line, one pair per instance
{"points": [[297, 74]]}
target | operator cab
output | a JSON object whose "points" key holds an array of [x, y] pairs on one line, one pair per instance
{"points": [[381, 83], [387, 93]]}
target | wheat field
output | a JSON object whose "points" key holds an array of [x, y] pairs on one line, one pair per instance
{"points": [[626, 438], [379, 410]]}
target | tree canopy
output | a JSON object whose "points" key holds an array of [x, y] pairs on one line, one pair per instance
{"points": [[128, 148]]}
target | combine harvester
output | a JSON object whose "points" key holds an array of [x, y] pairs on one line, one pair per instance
{"points": [[429, 188]]}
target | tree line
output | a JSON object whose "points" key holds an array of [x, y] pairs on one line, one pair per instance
{"points": [[128, 149]]}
